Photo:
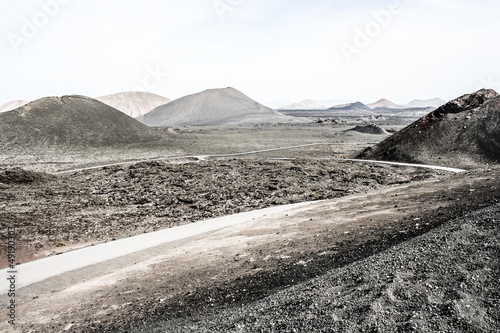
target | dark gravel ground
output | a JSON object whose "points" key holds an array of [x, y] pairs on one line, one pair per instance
{"points": [[446, 280]]}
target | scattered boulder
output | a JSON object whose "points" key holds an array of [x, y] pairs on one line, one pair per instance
{"points": [[21, 176]]}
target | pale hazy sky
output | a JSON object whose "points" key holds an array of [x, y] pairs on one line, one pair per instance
{"points": [[275, 51]]}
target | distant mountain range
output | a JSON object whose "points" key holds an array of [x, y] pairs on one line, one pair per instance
{"points": [[383, 103], [134, 103], [307, 104], [420, 103], [12, 105]]}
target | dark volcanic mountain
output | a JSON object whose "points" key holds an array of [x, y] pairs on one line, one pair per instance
{"points": [[351, 106], [464, 132], [215, 107], [70, 121]]}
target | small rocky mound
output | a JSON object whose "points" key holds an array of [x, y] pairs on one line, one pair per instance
{"points": [[464, 132], [369, 129], [69, 122], [21, 176]]}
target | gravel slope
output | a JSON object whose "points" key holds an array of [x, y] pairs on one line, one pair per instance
{"points": [[443, 281]]}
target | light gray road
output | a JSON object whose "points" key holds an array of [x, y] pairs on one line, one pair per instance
{"points": [[42, 269], [425, 166]]}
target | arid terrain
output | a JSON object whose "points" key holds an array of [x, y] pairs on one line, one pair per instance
{"points": [[379, 248]]}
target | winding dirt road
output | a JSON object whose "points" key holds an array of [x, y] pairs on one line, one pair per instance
{"points": [[253, 152]]}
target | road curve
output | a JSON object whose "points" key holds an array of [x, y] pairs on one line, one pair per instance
{"points": [[42, 269], [425, 166], [205, 157]]}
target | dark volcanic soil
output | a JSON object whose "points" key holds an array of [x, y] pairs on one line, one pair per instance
{"points": [[443, 281], [55, 213]]}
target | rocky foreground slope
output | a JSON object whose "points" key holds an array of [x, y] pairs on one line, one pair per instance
{"points": [[465, 133], [443, 281], [348, 265]]}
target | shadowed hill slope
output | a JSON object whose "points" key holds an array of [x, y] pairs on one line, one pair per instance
{"points": [[464, 132], [71, 121], [215, 107]]}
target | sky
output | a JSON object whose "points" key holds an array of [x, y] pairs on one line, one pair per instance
{"points": [[275, 51]]}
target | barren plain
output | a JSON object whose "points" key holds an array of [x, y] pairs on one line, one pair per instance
{"points": [[383, 248]]}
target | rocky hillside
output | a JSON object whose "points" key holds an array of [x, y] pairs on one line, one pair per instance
{"points": [[70, 121], [464, 132]]}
